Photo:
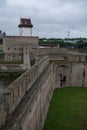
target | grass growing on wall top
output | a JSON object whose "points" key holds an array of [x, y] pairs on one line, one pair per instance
{"points": [[68, 110]]}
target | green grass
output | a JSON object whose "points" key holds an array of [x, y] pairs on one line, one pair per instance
{"points": [[68, 110]]}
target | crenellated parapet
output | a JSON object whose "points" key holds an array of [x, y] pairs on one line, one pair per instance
{"points": [[31, 111], [14, 93], [25, 102]]}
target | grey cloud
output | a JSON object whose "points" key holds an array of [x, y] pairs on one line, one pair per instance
{"points": [[2, 3], [51, 18]]}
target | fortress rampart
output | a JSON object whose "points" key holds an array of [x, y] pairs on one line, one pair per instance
{"points": [[15, 91], [25, 102], [13, 47]]}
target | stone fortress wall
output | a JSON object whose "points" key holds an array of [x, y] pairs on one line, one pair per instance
{"points": [[13, 46], [25, 102], [15, 91], [63, 54], [72, 74]]}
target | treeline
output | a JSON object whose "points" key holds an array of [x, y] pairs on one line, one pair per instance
{"points": [[67, 43], [1, 40]]}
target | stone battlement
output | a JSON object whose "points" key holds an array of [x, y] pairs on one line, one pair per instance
{"points": [[25, 102], [14, 93], [32, 104]]}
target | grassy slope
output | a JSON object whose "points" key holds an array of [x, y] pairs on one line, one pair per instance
{"points": [[68, 110]]}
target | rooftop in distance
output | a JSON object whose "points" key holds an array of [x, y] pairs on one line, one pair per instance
{"points": [[25, 22]]}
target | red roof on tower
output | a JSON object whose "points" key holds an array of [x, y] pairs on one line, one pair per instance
{"points": [[24, 22]]}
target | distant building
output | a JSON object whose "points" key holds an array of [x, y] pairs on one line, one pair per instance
{"points": [[70, 41], [14, 47], [25, 27], [2, 35]]}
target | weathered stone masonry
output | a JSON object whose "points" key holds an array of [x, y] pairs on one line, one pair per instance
{"points": [[25, 102], [38, 82], [13, 47], [71, 74], [15, 92]]}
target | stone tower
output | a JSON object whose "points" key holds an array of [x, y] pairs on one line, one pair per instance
{"points": [[26, 57], [25, 27]]}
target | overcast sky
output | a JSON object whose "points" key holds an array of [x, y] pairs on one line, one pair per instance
{"points": [[51, 18]]}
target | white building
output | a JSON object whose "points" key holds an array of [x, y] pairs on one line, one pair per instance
{"points": [[25, 27]]}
